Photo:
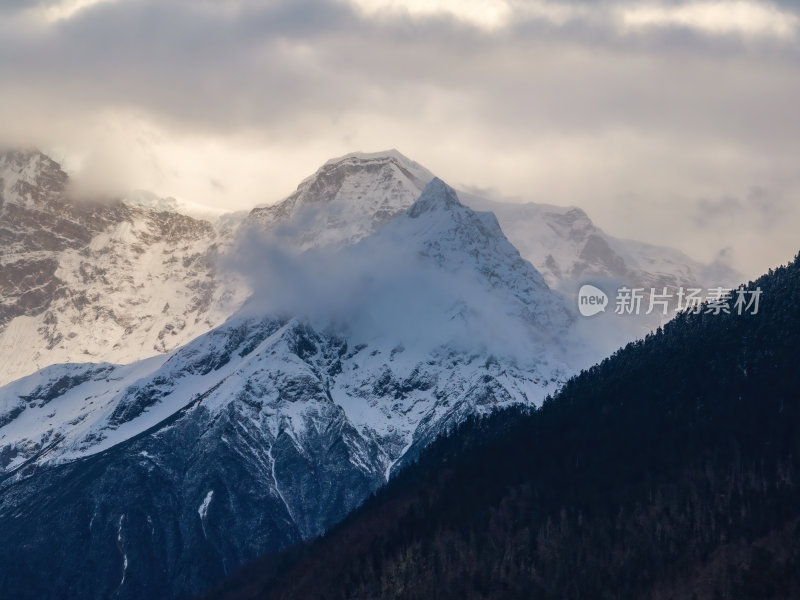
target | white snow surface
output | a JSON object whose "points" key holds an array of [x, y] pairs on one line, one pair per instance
{"points": [[203, 508]]}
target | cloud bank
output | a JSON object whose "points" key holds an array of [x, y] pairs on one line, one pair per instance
{"points": [[669, 121]]}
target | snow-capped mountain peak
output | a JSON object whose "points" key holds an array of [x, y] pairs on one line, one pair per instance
{"points": [[437, 195], [27, 176], [346, 199], [352, 196], [416, 170], [267, 430]]}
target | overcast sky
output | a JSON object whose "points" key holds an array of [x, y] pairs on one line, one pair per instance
{"points": [[670, 122]]}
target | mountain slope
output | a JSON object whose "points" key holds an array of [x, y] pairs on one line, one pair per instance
{"points": [[670, 470], [87, 281], [161, 471]]}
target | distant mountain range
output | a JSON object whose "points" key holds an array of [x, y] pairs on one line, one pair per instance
{"points": [[230, 388]]}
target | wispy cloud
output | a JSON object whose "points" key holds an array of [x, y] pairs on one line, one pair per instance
{"points": [[738, 17]]}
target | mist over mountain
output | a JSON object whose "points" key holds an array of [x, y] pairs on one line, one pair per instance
{"points": [[439, 271], [349, 197]]}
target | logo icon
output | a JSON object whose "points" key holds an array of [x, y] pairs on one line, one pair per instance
{"points": [[591, 300]]}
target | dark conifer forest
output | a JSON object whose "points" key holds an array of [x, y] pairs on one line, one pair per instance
{"points": [[670, 470]]}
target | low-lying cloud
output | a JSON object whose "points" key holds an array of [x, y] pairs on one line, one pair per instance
{"points": [[382, 290]]}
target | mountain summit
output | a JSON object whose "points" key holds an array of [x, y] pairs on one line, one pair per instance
{"points": [[346, 199], [437, 195], [352, 196]]}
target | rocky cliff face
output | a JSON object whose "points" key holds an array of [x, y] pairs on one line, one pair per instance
{"points": [[97, 281]]}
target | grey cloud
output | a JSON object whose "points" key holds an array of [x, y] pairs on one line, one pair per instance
{"points": [[10, 7], [203, 66], [723, 209], [658, 113], [759, 207]]}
